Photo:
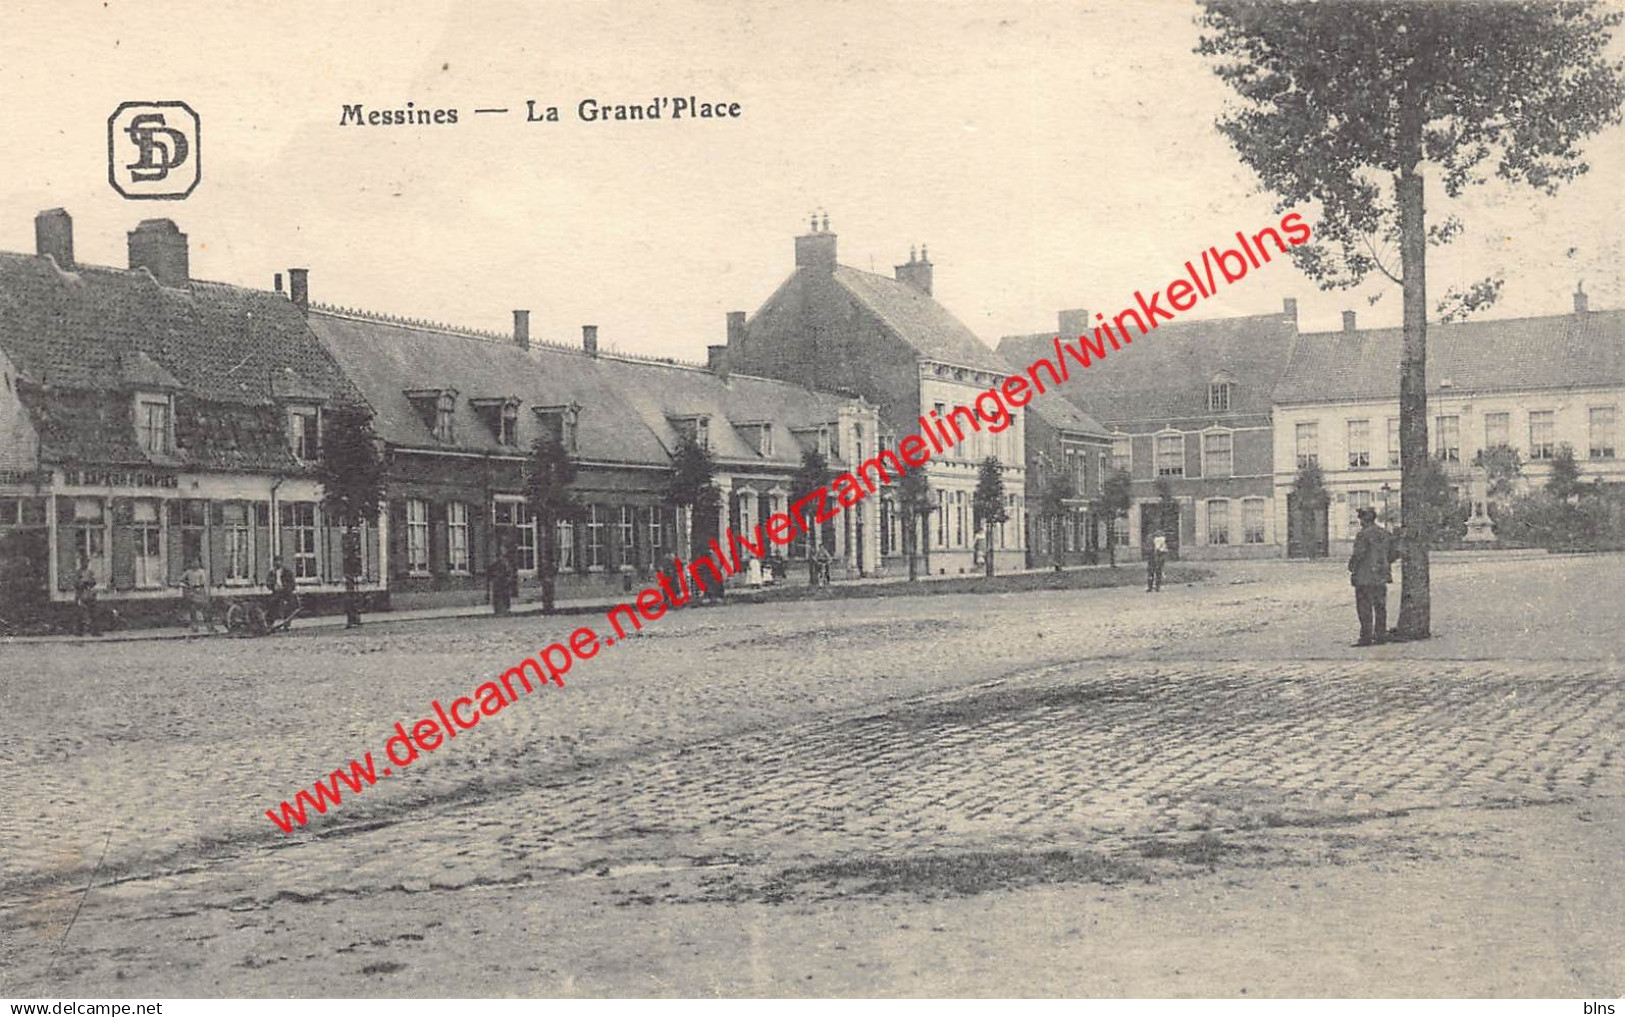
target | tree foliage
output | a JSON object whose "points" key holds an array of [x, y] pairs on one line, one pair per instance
{"points": [[812, 474], [548, 475], [915, 504], [987, 502], [351, 466], [1503, 468]]}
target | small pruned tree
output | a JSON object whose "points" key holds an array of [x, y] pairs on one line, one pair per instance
{"points": [[351, 469], [1116, 496], [1347, 110], [548, 476], [1503, 469], [988, 503], [692, 485], [914, 505], [1056, 492], [1563, 482], [812, 474]]}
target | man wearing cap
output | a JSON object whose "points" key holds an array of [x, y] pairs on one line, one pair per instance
{"points": [[1369, 574]]}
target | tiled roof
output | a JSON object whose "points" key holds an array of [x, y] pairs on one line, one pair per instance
{"points": [[627, 404], [81, 339], [1058, 412], [1554, 351], [1165, 375], [920, 321]]}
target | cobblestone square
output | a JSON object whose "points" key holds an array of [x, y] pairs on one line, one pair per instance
{"points": [[1092, 791]]}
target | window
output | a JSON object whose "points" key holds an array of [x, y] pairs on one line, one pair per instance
{"points": [[444, 417], [303, 433], [1447, 439], [1393, 442], [1170, 455], [417, 536], [959, 518], [1542, 436], [888, 519], [942, 518], [89, 534], [457, 537], [301, 522], [511, 521], [1252, 521], [1357, 500], [1359, 444], [1602, 432], [1080, 472], [824, 445], [1218, 396], [1497, 429], [1122, 453], [1218, 522], [595, 537], [629, 537], [147, 530], [152, 425], [564, 535], [239, 543], [562, 423], [1119, 527], [509, 432], [1308, 444], [1218, 458], [657, 534], [764, 440]]}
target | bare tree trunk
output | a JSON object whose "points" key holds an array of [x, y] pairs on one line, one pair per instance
{"points": [[987, 539], [911, 538], [1415, 603], [547, 569]]}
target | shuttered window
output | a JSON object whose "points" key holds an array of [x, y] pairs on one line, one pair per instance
{"points": [[417, 536]]}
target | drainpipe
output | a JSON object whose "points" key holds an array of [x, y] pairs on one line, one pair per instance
{"points": [[276, 520]]}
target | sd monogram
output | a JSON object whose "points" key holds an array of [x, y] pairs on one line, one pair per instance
{"points": [[153, 150]]}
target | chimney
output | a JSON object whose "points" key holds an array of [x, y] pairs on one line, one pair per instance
{"points": [[521, 329], [159, 246], [1289, 307], [917, 273], [589, 339], [277, 282], [736, 329], [716, 361], [299, 287], [53, 235], [1582, 302], [816, 248], [1072, 323], [1348, 321]]}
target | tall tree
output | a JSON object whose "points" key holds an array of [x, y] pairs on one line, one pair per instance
{"points": [[812, 474], [1055, 492], [548, 476], [1116, 497], [1353, 106], [351, 469], [987, 501], [692, 486], [914, 504]]}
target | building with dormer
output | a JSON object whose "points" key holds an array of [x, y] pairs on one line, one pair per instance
{"points": [[888, 341]]}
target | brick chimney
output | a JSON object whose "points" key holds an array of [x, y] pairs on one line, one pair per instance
{"points": [[736, 329], [521, 329], [716, 361], [917, 272], [53, 235], [1072, 323], [589, 339], [1582, 302], [815, 249], [299, 287], [1289, 307], [1348, 321], [159, 246]]}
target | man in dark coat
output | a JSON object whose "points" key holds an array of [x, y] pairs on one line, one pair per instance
{"points": [[1370, 575], [502, 576]]}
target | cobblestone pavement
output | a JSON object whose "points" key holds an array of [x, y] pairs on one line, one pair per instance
{"points": [[752, 742]]}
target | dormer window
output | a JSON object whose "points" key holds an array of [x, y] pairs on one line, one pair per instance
{"points": [[304, 433], [697, 429], [761, 435], [438, 407], [501, 416], [562, 423], [153, 424], [1221, 393]]}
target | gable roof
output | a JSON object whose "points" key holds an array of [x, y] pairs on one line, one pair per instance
{"points": [[1553, 351], [82, 339], [1165, 375], [919, 321], [628, 405]]}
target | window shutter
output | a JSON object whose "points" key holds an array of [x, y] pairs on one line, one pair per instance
{"points": [[287, 542], [214, 565], [174, 541], [437, 537], [477, 550], [67, 555], [123, 545], [261, 566], [335, 551], [397, 537]]}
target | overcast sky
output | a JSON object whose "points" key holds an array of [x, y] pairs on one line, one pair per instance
{"points": [[1051, 155]]}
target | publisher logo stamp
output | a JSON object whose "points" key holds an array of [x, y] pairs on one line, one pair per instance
{"points": [[154, 150]]}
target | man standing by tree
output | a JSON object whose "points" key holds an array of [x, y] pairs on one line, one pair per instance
{"points": [[1351, 106], [1369, 574]]}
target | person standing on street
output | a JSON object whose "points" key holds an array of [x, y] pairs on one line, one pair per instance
{"points": [[195, 590], [1155, 561], [84, 597], [501, 575], [1370, 575], [281, 582]]}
